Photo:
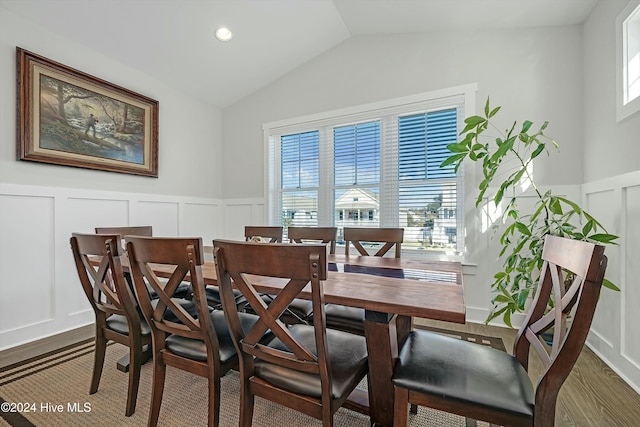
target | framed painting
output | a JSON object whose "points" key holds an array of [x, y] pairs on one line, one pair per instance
{"points": [[67, 117]]}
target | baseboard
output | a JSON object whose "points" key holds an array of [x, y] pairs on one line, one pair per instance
{"points": [[45, 345]]}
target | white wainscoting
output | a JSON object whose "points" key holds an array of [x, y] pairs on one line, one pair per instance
{"points": [[41, 295], [614, 335]]}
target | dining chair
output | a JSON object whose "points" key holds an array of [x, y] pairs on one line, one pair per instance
{"points": [[299, 310], [486, 384], [141, 230], [184, 290], [194, 342], [325, 235], [114, 306], [351, 319], [307, 368], [272, 233], [389, 237]]}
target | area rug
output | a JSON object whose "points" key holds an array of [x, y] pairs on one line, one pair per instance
{"points": [[52, 390]]}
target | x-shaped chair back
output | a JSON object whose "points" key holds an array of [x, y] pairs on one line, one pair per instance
{"points": [[272, 233], [325, 235], [98, 262], [102, 284], [179, 260], [388, 236], [245, 265], [571, 277]]}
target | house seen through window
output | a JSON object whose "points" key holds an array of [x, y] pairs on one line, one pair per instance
{"points": [[380, 170]]}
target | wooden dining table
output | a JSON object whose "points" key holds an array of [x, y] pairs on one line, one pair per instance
{"points": [[391, 291]]}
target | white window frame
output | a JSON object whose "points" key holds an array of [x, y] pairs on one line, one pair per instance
{"points": [[624, 106], [463, 95]]}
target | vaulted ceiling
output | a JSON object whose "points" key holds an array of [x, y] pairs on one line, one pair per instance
{"points": [[173, 40]]}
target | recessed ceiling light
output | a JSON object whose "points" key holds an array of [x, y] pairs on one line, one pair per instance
{"points": [[224, 34]]}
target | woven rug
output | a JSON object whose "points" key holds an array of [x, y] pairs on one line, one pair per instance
{"points": [[52, 390]]}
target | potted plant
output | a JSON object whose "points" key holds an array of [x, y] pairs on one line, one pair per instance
{"points": [[510, 154]]}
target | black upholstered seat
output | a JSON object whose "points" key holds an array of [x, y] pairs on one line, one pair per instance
{"points": [[299, 310], [351, 319], [348, 361], [114, 304], [214, 300], [343, 318], [307, 368], [197, 350], [118, 323], [484, 384], [463, 371], [185, 334]]}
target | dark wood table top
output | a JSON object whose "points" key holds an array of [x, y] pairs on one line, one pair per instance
{"points": [[431, 289], [416, 288]]}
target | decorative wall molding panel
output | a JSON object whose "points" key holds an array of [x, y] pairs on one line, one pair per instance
{"points": [[36, 267]]}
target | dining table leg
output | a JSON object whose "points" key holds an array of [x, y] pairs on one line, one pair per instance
{"points": [[385, 333]]}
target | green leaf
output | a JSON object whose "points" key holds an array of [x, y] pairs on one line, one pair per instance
{"points": [[507, 317], [467, 128], [526, 125], [610, 285], [537, 151], [500, 275], [501, 299], [474, 120], [523, 229], [575, 207], [554, 206], [603, 237], [496, 314], [494, 111], [498, 197], [457, 148], [452, 159], [522, 298], [587, 228], [486, 107]]}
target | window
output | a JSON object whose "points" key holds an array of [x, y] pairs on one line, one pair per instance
{"points": [[299, 177], [372, 166], [628, 61]]}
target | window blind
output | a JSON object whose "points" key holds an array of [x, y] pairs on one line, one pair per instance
{"points": [[373, 169]]}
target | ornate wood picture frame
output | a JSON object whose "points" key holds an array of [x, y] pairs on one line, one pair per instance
{"points": [[67, 117]]}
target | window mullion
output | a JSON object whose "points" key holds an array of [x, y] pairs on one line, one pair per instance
{"points": [[325, 192], [389, 203]]}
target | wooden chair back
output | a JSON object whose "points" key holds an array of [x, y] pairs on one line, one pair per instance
{"points": [[142, 230], [181, 260], [111, 297], [104, 285], [272, 233], [183, 338], [571, 277], [242, 265], [325, 235], [388, 236]]}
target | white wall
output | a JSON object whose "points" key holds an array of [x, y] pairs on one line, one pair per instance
{"points": [[519, 69], [41, 295], [564, 75], [533, 74], [537, 74], [189, 130], [610, 148], [612, 191], [40, 204]]}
